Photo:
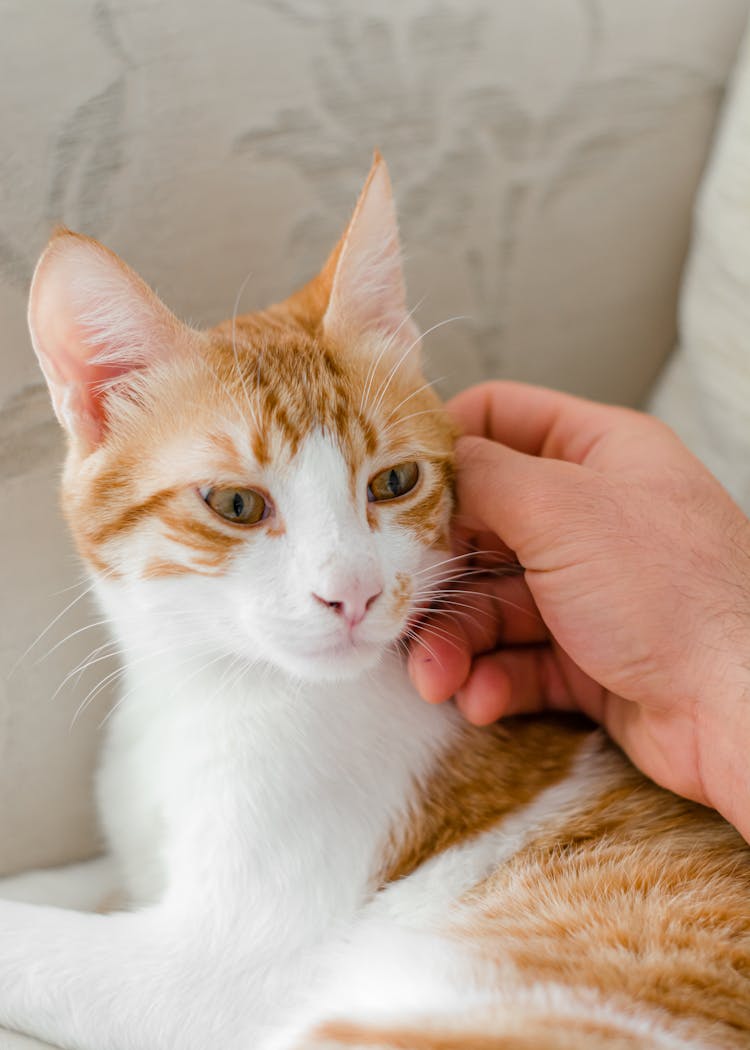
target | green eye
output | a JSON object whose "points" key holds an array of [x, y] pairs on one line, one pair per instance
{"points": [[392, 483], [240, 506]]}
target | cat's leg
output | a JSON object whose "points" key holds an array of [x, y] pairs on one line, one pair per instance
{"points": [[92, 885], [162, 978], [381, 972]]}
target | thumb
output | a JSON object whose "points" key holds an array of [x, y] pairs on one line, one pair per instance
{"points": [[528, 501]]}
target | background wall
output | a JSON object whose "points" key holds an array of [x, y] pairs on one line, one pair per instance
{"points": [[544, 153]]}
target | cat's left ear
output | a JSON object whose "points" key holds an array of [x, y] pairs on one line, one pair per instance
{"points": [[367, 292]]}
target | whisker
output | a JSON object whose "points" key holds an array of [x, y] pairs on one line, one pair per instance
{"points": [[449, 577], [73, 586], [439, 633], [443, 604], [130, 692], [471, 573], [55, 620], [80, 630], [374, 366], [91, 660], [457, 557], [414, 393], [435, 602], [258, 364], [94, 692], [425, 645], [234, 350], [413, 415], [203, 667], [122, 670], [503, 601], [384, 388]]}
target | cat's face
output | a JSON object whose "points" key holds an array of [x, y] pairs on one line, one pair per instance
{"points": [[276, 488]]}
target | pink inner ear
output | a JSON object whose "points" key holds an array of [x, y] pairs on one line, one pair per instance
{"points": [[368, 293], [74, 380], [92, 320]]}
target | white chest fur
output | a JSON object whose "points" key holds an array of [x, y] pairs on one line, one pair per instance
{"points": [[264, 791]]}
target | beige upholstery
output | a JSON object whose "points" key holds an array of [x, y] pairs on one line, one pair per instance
{"points": [[545, 156], [704, 392]]}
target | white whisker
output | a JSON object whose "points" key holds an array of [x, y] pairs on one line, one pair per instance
{"points": [[414, 393], [56, 619], [67, 638], [389, 378], [413, 415], [425, 645], [374, 366], [236, 355]]}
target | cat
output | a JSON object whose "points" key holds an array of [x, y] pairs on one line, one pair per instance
{"points": [[311, 857]]}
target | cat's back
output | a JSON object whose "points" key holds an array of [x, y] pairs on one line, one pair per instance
{"points": [[634, 895], [543, 893]]}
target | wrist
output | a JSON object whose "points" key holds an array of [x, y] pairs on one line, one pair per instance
{"points": [[723, 743], [722, 708]]}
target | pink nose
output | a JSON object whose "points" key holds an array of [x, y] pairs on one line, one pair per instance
{"points": [[352, 605]]}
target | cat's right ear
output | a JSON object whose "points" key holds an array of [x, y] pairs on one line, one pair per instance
{"points": [[92, 321]]}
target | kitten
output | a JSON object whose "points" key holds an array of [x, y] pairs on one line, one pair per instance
{"points": [[313, 857]]}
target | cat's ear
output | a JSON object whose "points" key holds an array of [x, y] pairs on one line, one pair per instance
{"points": [[92, 321], [367, 290], [363, 280]]}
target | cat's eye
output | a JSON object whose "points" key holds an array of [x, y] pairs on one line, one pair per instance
{"points": [[240, 506], [394, 482]]}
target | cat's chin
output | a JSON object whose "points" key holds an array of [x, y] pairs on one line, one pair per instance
{"points": [[332, 664]]}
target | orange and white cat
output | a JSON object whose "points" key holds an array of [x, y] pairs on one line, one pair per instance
{"points": [[311, 856]]}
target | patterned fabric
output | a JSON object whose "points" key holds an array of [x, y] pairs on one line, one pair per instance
{"points": [[704, 392], [544, 156]]}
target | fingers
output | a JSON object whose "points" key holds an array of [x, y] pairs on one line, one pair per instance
{"points": [[553, 425], [525, 500], [475, 616], [534, 420], [439, 659], [508, 682], [505, 682], [525, 680]]}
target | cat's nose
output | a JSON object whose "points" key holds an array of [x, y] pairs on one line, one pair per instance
{"points": [[352, 604]]}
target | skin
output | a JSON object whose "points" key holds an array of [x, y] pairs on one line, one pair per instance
{"points": [[633, 606]]}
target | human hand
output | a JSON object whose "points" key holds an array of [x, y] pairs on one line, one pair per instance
{"points": [[634, 606]]}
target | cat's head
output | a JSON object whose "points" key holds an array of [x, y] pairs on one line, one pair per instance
{"points": [[277, 487]]}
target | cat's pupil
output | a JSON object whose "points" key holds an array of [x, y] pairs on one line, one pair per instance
{"points": [[393, 483], [238, 505]]}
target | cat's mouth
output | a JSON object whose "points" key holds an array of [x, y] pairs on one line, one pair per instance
{"points": [[331, 659], [341, 647]]}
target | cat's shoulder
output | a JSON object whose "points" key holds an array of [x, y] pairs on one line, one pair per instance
{"points": [[561, 780]]}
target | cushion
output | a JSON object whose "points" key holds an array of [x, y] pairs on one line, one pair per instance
{"points": [[704, 392]]}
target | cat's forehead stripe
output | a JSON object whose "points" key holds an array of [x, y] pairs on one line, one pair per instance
{"points": [[306, 390], [228, 458], [296, 384]]}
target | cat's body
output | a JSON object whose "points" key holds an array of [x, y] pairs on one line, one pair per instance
{"points": [[312, 857]]}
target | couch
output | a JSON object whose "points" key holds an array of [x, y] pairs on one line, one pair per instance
{"points": [[545, 156]]}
